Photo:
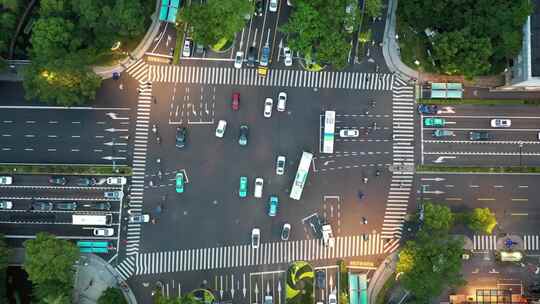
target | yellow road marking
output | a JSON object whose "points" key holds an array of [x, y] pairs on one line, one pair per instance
{"points": [[486, 199], [454, 199], [519, 214], [520, 199]]}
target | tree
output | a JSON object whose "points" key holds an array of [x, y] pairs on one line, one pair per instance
{"points": [[216, 19], [63, 82], [112, 295], [429, 264], [373, 8], [53, 38], [4, 259], [50, 260], [482, 220], [437, 218]]}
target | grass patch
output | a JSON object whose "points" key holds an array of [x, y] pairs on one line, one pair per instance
{"points": [[485, 102], [383, 296], [465, 169], [412, 47], [221, 45], [343, 282], [65, 169]]}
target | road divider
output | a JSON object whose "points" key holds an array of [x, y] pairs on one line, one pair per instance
{"points": [[483, 102], [65, 169], [471, 169]]}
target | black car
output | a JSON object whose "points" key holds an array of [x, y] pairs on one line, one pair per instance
{"points": [[42, 206], [259, 8], [479, 135], [320, 278], [58, 180], [251, 56], [181, 137], [66, 206], [86, 181], [243, 135], [102, 206]]}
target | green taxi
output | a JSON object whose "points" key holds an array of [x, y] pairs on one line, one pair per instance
{"points": [[434, 122], [179, 182], [242, 190]]}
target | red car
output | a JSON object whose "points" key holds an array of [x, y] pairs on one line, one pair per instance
{"points": [[235, 103]]}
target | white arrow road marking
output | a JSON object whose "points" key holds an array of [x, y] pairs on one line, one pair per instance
{"points": [[441, 159]]}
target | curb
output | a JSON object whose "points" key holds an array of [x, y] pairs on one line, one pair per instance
{"points": [[383, 273]]}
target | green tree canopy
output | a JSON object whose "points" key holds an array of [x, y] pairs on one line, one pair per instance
{"points": [[429, 264], [4, 260], [316, 29], [482, 220], [112, 295], [216, 19], [53, 38], [472, 36], [373, 8], [50, 260], [437, 218]]}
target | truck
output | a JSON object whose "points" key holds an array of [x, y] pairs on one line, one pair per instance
{"points": [[327, 235]]}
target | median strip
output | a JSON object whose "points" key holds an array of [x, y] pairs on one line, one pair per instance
{"points": [[470, 169], [65, 169], [484, 102]]}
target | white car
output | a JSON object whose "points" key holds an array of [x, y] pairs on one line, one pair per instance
{"points": [[116, 181], [268, 103], [186, 50], [280, 165], [255, 238], [332, 299], [273, 6], [103, 231], [288, 56], [238, 59], [220, 129], [259, 182], [349, 133], [446, 110], [142, 218], [6, 204], [6, 180], [282, 101], [501, 123]]}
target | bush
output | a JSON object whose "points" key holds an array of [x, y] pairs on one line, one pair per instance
{"points": [[482, 220], [112, 295]]}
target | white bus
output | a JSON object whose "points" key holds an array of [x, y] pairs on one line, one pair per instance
{"points": [[329, 128], [92, 219], [301, 175]]}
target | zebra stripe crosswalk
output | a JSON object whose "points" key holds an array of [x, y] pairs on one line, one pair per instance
{"points": [[531, 242], [126, 268], [402, 162], [276, 77], [484, 242], [139, 71], [245, 255]]}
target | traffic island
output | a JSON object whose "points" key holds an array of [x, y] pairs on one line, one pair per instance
{"points": [[299, 287], [65, 169], [480, 170]]}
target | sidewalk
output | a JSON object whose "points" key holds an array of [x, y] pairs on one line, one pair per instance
{"points": [[386, 269], [13, 73], [93, 276]]}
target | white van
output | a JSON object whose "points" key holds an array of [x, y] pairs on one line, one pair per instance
{"points": [[220, 130], [259, 182]]}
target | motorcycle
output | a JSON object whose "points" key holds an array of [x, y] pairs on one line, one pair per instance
{"points": [[365, 180], [154, 129]]}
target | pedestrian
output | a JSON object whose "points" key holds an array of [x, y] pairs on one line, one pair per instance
{"points": [[121, 86]]}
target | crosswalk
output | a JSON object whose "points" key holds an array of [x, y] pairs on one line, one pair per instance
{"points": [[266, 254], [275, 77], [528, 242], [139, 71], [402, 162], [484, 242], [126, 268]]}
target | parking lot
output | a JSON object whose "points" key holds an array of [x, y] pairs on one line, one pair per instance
{"points": [[471, 139]]}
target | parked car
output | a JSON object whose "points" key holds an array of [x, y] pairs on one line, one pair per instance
{"points": [[186, 50], [285, 231], [273, 203], [238, 60], [220, 129], [332, 299], [103, 231], [320, 278], [86, 181], [243, 135], [252, 56], [479, 135], [288, 56], [6, 205], [42, 206], [443, 133], [180, 182], [243, 188], [181, 137], [71, 206], [112, 194], [6, 180], [435, 122], [427, 109], [58, 180], [268, 103], [235, 101], [255, 238], [273, 7], [116, 180], [199, 48], [501, 123], [280, 165], [282, 101], [101, 206], [259, 182], [141, 218], [259, 8], [349, 133]]}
